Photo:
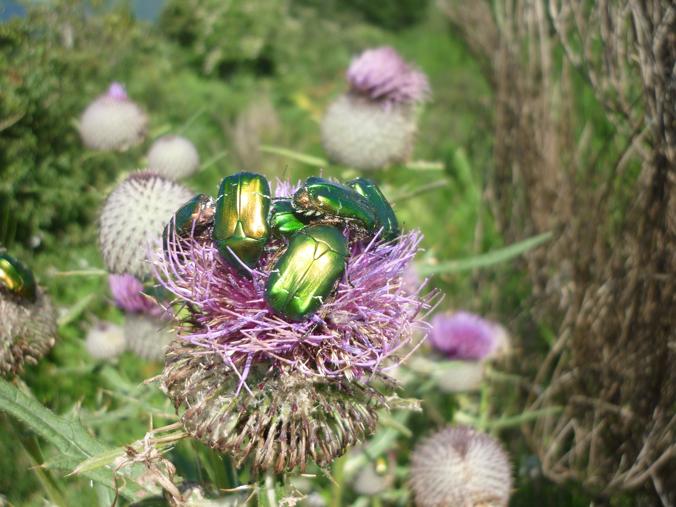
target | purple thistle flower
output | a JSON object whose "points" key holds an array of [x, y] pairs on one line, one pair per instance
{"points": [[128, 294], [464, 335], [116, 91], [381, 74], [357, 332]]}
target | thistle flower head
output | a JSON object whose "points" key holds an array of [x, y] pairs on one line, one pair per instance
{"points": [[128, 295], [463, 335], [105, 341], [357, 332], [382, 75], [359, 133], [27, 330], [113, 122], [133, 217], [174, 157], [461, 467], [286, 420]]}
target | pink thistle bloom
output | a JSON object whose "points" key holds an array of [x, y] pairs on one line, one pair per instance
{"points": [[464, 335], [128, 294], [359, 331], [382, 75], [116, 91]]}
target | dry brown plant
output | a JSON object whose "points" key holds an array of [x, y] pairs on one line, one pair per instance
{"points": [[607, 283]]}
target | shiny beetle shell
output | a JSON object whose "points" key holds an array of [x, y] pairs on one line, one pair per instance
{"points": [[198, 211], [320, 197], [284, 219], [386, 216], [241, 219], [16, 278], [307, 273]]}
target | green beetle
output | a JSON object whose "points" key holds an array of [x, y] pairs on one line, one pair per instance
{"points": [[241, 219], [386, 217], [16, 278], [334, 203], [307, 272], [283, 218], [198, 210]]}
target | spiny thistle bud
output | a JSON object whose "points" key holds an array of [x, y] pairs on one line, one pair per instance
{"points": [[27, 318], [113, 122], [463, 335], [373, 126], [285, 420], [147, 336], [359, 133], [105, 341], [461, 467], [174, 157], [134, 216]]}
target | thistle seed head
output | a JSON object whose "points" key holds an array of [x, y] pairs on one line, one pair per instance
{"points": [[147, 336]]}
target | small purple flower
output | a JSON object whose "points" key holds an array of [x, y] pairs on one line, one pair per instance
{"points": [[116, 91], [382, 75], [128, 294], [464, 335]]}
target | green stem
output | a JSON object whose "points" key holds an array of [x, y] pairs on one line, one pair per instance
{"points": [[338, 481]]}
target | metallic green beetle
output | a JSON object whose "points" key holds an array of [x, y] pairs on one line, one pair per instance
{"points": [[307, 272], [16, 278], [198, 210], [334, 202], [283, 218], [241, 220], [386, 217]]}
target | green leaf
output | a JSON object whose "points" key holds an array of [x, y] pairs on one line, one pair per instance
{"points": [[294, 155], [486, 259], [69, 437]]}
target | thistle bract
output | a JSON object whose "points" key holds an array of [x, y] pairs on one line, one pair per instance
{"points": [[27, 330], [284, 421]]}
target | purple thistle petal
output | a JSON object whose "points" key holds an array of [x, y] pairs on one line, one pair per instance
{"points": [[382, 75], [372, 315], [116, 91], [464, 335], [128, 295]]}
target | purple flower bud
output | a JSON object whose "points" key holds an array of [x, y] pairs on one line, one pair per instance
{"points": [[128, 294], [116, 91], [382, 75], [464, 335]]}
